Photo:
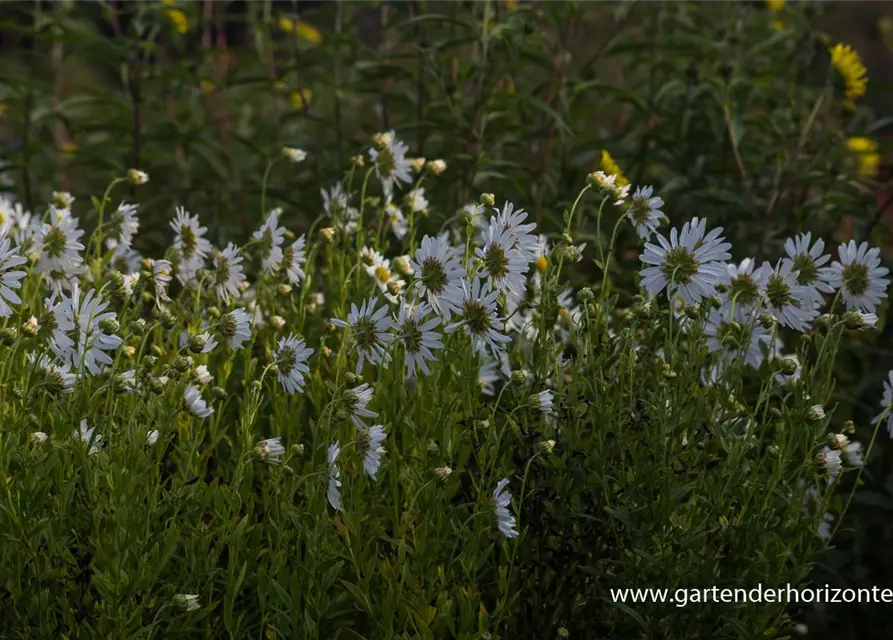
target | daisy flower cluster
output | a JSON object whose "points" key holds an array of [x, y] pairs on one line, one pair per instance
{"points": [[373, 362]]}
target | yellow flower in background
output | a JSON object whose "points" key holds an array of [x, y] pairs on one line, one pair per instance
{"points": [[774, 6], [177, 18], [68, 148], [866, 151], [849, 65], [301, 99], [511, 5], [610, 167], [306, 32]]}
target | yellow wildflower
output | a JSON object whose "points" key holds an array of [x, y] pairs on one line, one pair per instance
{"points": [[511, 5], [866, 151], [178, 19], [849, 65], [301, 99], [774, 6], [611, 168], [305, 31]]}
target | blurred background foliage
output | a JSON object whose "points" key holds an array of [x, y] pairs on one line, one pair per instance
{"points": [[733, 111]]}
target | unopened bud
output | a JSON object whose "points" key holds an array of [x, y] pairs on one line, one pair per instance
{"points": [[182, 363], [520, 376], [849, 427], [31, 327], [768, 321], [110, 325], [283, 289], [816, 413], [585, 295], [277, 322], [197, 342], [401, 264], [443, 472], [137, 177], [168, 320], [8, 335], [488, 199], [358, 161], [417, 164], [128, 351], [837, 441], [327, 234], [38, 437], [436, 167], [547, 446], [138, 326]]}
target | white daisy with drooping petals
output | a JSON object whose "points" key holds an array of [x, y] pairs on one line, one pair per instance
{"points": [[644, 212], [476, 315], [792, 305], [372, 439], [743, 286], [60, 248], [271, 450], [235, 327], [333, 491], [859, 276], [437, 269], [228, 273], [9, 279], [293, 259], [513, 220], [504, 266], [123, 227], [196, 404], [732, 334], [190, 245], [356, 400], [690, 263], [502, 499], [368, 332], [78, 340], [808, 261], [271, 236], [291, 361], [391, 164], [88, 436], [418, 337]]}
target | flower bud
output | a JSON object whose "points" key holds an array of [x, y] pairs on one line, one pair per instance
{"points": [[417, 164], [327, 234], [488, 199], [137, 177], [585, 295], [768, 321], [277, 322], [110, 325], [433, 448], [8, 335], [772, 451], [33, 420], [138, 326], [837, 441], [255, 386], [401, 264], [520, 376], [547, 446], [128, 351], [816, 413], [198, 342], [352, 378], [849, 427], [219, 393], [443, 472], [358, 161], [182, 363], [436, 167], [297, 449], [283, 289], [31, 327], [294, 155], [789, 366], [168, 320], [38, 437]]}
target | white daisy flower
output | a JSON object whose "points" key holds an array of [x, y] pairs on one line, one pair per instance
{"points": [[644, 212], [58, 376], [271, 450], [743, 286], [866, 320], [831, 462], [333, 493], [475, 307], [690, 262], [294, 154], [161, 277], [11, 214], [391, 163], [371, 258], [436, 270], [123, 227], [60, 246], [791, 304], [372, 439], [852, 452], [502, 498], [271, 236], [9, 280], [228, 273], [369, 332], [396, 221], [190, 245], [202, 375], [79, 339], [88, 436], [732, 334], [887, 405], [505, 267], [356, 400], [291, 359], [859, 276], [335, 204], [293, 259], [418, 337], [196, 404], [416, 201], [385, 279], [235, 327], [488, 376], [188, 602], [525, 242], [542, 402], [809, 263]]}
